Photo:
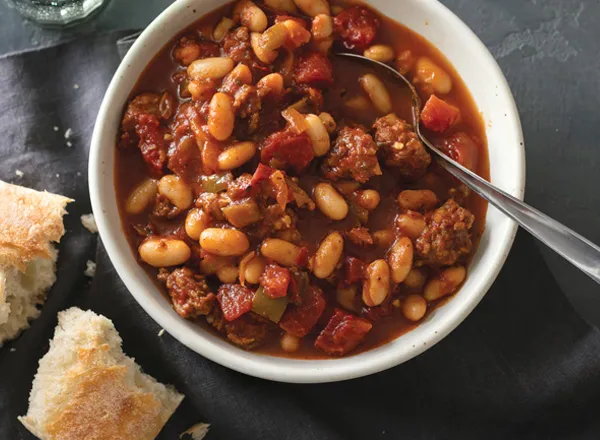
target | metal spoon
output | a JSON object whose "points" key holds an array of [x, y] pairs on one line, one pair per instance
{"points": [[576, 249]]}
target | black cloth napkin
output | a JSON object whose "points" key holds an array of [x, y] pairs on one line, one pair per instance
{"points": [[523, 365]]}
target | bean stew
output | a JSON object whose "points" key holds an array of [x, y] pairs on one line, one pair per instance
{"points": [[278, 194]]}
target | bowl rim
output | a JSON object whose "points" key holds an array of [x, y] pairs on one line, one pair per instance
{"points": [[264, 366]]}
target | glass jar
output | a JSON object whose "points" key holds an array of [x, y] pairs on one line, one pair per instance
{"points": [[57, 12]]}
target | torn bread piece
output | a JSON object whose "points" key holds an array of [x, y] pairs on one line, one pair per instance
{"points": [[87, 388], [30, 221]]}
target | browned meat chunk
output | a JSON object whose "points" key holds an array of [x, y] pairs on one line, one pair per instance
{"points": [[189, 50], [240, 187], [163, 208], [144, 103], [236, 45], [354, 155], [360, 236], [446, 236], [248, 331], [401, 147], [189, 292]]}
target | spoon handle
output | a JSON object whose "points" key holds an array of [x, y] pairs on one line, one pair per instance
{"points": [[576, 249]]}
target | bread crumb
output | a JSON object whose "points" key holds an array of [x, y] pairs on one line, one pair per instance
{"points": [[75, 86], [12, 350], [57, 175], [90, 269], [68, 133], [161, 332], [19, 173], [198, 431], [69, 144], [55, 128], [78, 173], [89, 222]]}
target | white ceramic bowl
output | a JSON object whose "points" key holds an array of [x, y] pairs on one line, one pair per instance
{"points": [[492, 96]]}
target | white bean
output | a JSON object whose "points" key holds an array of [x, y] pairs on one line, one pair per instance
{"points": [[221, 116], [330, 202], [224, 242], [141, 196], [265, 56], [328, 255], [210, 68], [380, 52], [312, 8], [164, 252], [236, 156], [318, 135], [377, 92], [400, 259], [176, 190], [250, 15], [222, 28], [376, 286]]}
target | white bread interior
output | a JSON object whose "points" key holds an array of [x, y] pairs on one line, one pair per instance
{"points": [[87, 388], [30, 221]]}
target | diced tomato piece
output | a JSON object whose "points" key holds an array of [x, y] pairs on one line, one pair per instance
{"points": [[299, 320], [356, 26], [353, 270], [209, 49], [287, 148], [343, 333], [263, 172], [152, 143], [314, 69], [463, 149], [438, 115], [235, 300], [275, 281]]}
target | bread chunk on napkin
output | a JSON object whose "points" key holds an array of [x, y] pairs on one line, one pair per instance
{"points": [[30, 221], [87, 388]]}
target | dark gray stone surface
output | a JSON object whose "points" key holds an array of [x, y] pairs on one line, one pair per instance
{"points": [[549, 52]]}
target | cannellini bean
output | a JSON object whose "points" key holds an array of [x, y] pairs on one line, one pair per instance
{"points": [[273, 82], [241, 74], [236, 156], [368, 199], [359, 104], [289, 343], [254, 269], [224, 242], [417, 200], [318, 135], [433, 76], [414, 307], [227, 274], [210, 68], [265, 56], [176, 190], [328, 255], [222, 28], [322, 27], [250, 15], [200, 90], [383, 238], [380, 52], [141, 196], [328, 122], [281, 251], [411, 224], [346, 297], [210, 266], [415, 279], [377, 92], [196, 221], [330, 202], [274, 37], [400, 259], [376, 286], [405, 62], [312, 8], [164, 252], [445, 283], [221, 116], [282, 5], [297, 34]]}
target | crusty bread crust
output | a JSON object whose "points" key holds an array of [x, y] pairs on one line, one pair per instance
{"points": [[29, 221], [86, 388]]}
